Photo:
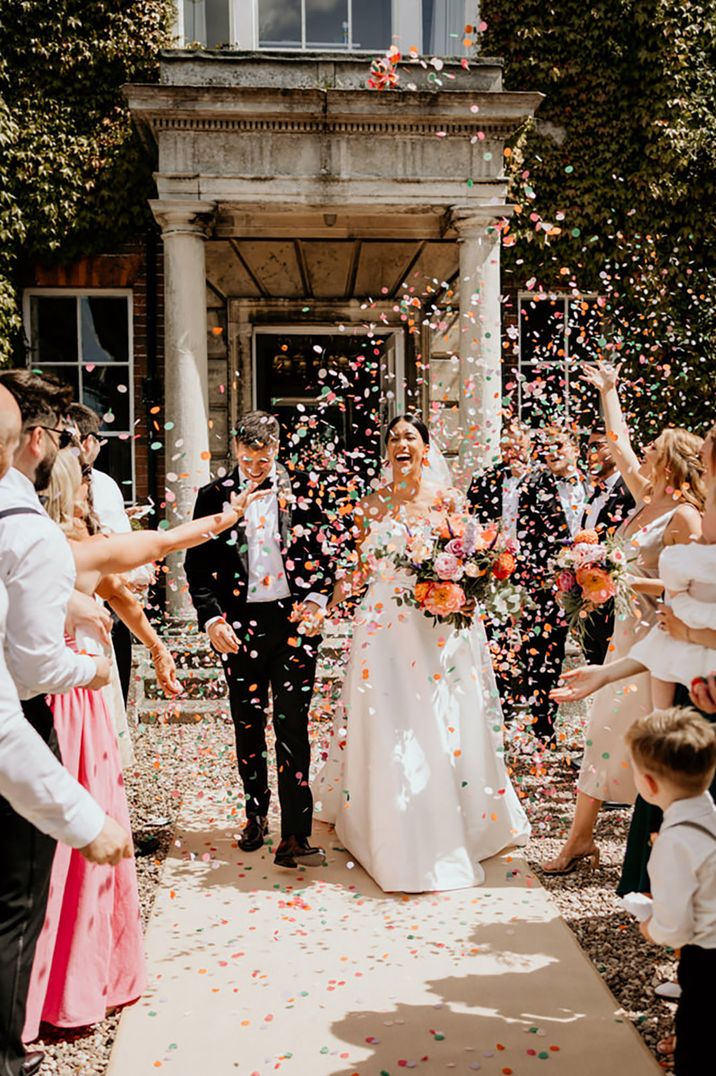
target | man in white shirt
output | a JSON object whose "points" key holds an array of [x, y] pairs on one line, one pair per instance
{"points": [[38, 573], [673, 754], [244, 587]]}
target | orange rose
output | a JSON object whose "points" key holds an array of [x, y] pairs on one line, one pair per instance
{"points": [[444, 599], [504, 566], [453, 527], [597, 585], [421, 591], [586, 538], [486, 537]]}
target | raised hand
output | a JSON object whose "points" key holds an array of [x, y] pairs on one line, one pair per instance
{"points": [[603, 375], [241, 501], [579, 683]]}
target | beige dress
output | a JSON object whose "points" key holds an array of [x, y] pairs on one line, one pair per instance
{"points": [[606, 771]]}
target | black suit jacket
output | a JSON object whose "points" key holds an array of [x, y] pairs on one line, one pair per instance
{"points": [[485, 499], [218, 571], [614, 510]]}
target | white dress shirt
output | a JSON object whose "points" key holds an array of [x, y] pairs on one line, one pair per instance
{"points": [[572, 494], [109, 503], [267, 573], [511, 488], [33, 781], [594, 507], [38, 570], [682, 871]]}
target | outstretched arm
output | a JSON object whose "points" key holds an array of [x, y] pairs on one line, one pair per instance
{"points": [[117, 553], [579, 683], [605, 378]]}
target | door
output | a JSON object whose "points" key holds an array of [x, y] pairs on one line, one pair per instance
{"points": [[333, 393]]}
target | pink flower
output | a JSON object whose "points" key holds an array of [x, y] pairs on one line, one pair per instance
{"points": [[443, 599], [447, 566], [565, 581], [456, 546]]}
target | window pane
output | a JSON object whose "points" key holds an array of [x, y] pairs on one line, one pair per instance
{"points": [[326, 23], [372, 25], [280, 22], [217, 23], [194, 22], [53, 327], [105, 330], [115, 458], [107, 390], [443, 27]]}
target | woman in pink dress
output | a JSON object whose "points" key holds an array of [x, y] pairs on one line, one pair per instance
{"points": [[90, 954]]}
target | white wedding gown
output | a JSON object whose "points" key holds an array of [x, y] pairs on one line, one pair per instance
{"points": [[414, 779]]}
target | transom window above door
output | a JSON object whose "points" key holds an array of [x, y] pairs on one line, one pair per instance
{"points": [[434, 27]]}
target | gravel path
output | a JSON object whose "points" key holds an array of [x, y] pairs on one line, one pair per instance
{"points": [[172, 758]]}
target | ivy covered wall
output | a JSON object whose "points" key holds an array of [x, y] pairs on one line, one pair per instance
{"points": [[616, 180], [74, 176]]}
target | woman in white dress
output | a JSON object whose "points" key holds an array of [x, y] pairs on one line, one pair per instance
{"points": [[415, 780]]}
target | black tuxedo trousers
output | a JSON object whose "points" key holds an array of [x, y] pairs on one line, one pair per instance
{"points": [[27, 856], [273, 656]]}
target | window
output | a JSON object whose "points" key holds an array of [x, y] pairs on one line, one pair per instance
{"points": [[325, 24], [556, 334], [206, 22], [444, 24], [85, 338]]}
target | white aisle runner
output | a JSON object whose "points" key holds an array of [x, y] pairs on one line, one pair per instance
{"points": [[256, 970]]}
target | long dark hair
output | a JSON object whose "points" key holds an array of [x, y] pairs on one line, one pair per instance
{"points": [[413, 420]]}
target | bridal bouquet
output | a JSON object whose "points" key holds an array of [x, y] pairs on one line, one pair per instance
{"points": [[460, 569], [587, 573]]}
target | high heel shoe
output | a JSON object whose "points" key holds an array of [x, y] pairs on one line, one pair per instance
{"points": [[592, 858]]}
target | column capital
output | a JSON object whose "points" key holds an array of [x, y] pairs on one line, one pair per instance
{"points": [[184, 217], [473, 222]]}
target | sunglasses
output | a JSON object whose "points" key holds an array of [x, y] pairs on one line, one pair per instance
{"points": [[65, 437]]}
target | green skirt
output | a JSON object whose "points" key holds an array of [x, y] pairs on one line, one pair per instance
{"points": [[645, 824]]}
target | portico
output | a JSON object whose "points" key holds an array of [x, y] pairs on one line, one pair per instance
{"points": [[291, 195]]}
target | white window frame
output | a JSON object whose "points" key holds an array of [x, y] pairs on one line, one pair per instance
{"points": [[279, 329], [566, 299], [407, 25], [80, 293]]}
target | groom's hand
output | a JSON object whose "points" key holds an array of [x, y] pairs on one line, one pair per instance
{"points": [[310, 616], [223, 637]]}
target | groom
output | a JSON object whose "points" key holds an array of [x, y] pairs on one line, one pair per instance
{"points": [[249, 586]]}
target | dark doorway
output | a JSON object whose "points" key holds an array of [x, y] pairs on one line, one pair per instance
{"points": [[333, 394]]}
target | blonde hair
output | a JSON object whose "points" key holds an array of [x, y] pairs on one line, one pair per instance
{"points": [[677, 457], [677, 744], [61, 492]]}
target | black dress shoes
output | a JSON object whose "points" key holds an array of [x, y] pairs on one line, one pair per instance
{"points": [[32, 1062], [295, 851], [253, 834]]}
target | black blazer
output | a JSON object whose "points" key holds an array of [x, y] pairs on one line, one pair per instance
{"points": [[217, 571], [614, 510], [485, 499]]}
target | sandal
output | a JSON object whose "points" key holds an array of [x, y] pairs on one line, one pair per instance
{"points": [[570, 864]]}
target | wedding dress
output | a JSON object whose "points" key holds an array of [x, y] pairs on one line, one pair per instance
{"points": [[414, 779]]}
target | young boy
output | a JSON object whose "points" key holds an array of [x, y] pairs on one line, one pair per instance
{"points": [[673, 755]]}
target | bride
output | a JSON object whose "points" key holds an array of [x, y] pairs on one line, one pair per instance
{"points": [[415, 780]]}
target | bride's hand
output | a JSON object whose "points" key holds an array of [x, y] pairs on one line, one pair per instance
{"points": [[603, 375], [579, 683]]}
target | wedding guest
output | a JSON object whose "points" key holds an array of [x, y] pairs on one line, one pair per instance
{"points": [[557, 500], [90, 953], [673, 755], [668, 489], [502, 494], [608, 506], [37, 572]]}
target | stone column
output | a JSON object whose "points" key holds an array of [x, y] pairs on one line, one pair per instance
{"points": [[185, 226], [480, 339]]}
